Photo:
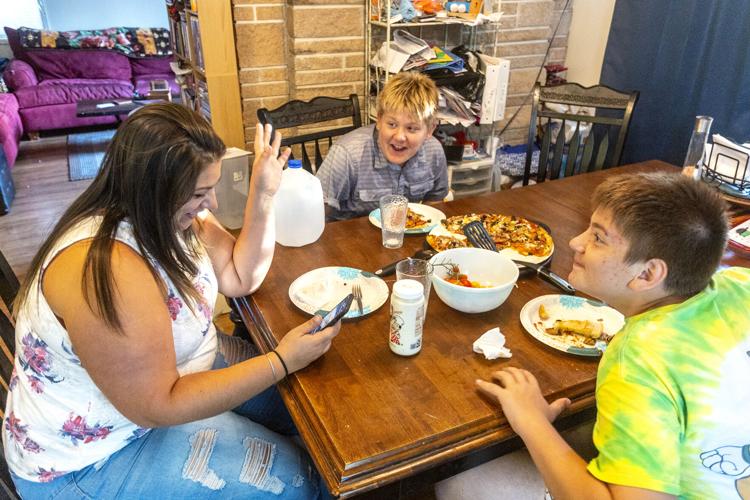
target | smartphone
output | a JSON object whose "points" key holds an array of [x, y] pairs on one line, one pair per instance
{"points": [[264, 118], [335, 314]]}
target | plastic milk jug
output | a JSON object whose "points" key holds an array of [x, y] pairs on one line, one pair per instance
{"points": [[300, 214]]}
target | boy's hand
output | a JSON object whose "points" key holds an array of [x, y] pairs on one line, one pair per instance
{"points": [[518, 393]]}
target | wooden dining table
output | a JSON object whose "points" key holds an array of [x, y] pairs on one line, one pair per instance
{"points": [[371, 418]]}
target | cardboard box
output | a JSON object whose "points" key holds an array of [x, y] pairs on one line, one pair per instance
{"points": [[496, 73]]}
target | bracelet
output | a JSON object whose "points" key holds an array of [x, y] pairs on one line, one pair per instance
{"points": [[286, 371], [273, 370]]}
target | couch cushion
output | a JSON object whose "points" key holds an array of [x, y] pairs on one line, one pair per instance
{"points": [[71, 91], [53, 64], [10, 127], [151, 66]]}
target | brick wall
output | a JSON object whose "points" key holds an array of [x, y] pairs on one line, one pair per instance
{"points": [[298, 49]]}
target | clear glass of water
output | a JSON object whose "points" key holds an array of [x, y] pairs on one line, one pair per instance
{"points": [[418, 270], [393, 209]]}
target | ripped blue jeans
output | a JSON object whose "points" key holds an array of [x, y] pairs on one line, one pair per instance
{"points": [[249, 452]]}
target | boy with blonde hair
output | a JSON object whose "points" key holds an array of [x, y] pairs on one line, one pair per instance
{"points": [[396, 155]]}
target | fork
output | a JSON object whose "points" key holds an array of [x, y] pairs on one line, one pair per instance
{"points": [[357, 292], [478, 236]]}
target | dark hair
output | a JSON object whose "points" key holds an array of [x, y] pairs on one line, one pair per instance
{"points": [[669, 217], [149, 171]]}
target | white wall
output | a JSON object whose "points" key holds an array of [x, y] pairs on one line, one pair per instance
{"points": [[63, 15], [587, 40]]}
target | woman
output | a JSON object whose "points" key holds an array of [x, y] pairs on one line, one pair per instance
{"points": [[113, 392]]}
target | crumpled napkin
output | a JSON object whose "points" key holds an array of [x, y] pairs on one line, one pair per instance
{"points": [[492, 345]]}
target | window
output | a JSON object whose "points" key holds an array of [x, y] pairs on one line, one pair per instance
{"points": [[18, 13]]}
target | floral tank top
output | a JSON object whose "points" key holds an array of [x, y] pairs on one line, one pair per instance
{"points": [[56, 419]]}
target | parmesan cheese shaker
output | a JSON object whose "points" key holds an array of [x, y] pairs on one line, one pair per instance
{"points": [[407, 309]]}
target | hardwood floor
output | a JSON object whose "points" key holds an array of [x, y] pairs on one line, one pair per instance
{"points": [[43, 192]]}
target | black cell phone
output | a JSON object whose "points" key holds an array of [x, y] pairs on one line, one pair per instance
{"points": [[335, 314], [264, 119]]}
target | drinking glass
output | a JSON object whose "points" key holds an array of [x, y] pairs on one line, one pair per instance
{"points": [[393, 219], [693, 163], [418, 270]]}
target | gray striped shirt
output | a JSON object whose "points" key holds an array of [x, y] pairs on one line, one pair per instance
{"points": [[355, 174]]}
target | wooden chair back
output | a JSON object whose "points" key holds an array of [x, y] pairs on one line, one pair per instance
{"points": [[316, 111], [8, 292], [600, 148]]}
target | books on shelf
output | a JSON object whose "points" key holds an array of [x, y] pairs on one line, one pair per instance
{"points": [[198, 52], [186, 45], [204, 106]]}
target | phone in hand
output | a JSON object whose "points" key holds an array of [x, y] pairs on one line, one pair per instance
{"points": [[264, 118], [335, 314]]}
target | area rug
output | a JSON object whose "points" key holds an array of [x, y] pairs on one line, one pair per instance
{"points": [[86, 152]]}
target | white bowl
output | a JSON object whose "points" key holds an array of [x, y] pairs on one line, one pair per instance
{"points": [[480, 265]]}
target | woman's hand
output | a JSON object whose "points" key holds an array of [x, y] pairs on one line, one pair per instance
{"points": [[299, 348], [268, 163], [518, 393]]}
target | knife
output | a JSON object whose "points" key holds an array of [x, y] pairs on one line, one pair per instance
{"points": [[548, 275], [389, 269]]}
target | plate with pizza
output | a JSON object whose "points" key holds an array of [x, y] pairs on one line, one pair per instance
{"points": [[516, 237], [571, 324], [419, 218]]}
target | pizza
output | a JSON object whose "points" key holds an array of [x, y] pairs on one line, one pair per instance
{"points": [[415, 220], [508, 231]]}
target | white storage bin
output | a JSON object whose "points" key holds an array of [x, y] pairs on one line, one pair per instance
{"points": [[232, 189]]}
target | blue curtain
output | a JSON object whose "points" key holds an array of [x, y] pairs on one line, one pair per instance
{"points": [[687, 58]]}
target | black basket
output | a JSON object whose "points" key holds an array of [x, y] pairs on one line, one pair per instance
{"points": [[727, 169]]}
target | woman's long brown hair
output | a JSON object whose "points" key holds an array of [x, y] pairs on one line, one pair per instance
{"points": [[149, 171]]}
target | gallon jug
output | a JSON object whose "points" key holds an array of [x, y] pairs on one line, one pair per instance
{"points": [[300, 214]]}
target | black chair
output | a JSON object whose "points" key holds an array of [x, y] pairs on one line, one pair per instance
{"points": [[8, 292], [316, 111], [600, 148]]}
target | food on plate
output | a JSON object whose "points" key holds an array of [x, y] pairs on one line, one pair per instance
{"points": [[507, 231], [583, 327], [543, 314], [415, 220], [441, 242]]}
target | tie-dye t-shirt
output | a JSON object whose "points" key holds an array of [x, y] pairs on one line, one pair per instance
{"points": [[673, 396]]}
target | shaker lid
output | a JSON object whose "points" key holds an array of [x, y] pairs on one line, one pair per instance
{"points": [[408, 289]]}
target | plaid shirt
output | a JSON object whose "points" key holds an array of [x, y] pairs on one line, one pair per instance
{"points": [[355, 174]]}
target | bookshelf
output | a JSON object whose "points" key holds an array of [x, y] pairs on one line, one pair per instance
{"points": [[203, 41]]}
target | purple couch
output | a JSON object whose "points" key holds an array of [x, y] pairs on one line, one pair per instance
{"points": [[11, 129], [48, 82]]}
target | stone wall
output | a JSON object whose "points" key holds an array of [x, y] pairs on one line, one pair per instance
{"points": [[298, 49]]}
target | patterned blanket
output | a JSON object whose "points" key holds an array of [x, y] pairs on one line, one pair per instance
{"points": [[133, 42]]}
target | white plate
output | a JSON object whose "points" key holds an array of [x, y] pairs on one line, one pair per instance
{"points": [[426, 211], [319, 290], [569, 307], [440, 230]]}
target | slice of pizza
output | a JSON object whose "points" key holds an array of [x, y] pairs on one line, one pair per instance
{"points": [[442, 242], [415, 220]]}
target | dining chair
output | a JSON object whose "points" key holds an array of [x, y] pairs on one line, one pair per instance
{"points": [[573, 143], [312, 114], [8, 291]]}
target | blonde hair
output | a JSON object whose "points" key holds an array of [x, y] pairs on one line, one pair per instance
{"points": [[410, 92]]}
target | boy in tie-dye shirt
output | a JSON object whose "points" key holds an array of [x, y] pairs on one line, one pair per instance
{"points": [[672, 389]]}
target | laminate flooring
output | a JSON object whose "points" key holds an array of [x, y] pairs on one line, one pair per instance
{"points": [[43, 192]]}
